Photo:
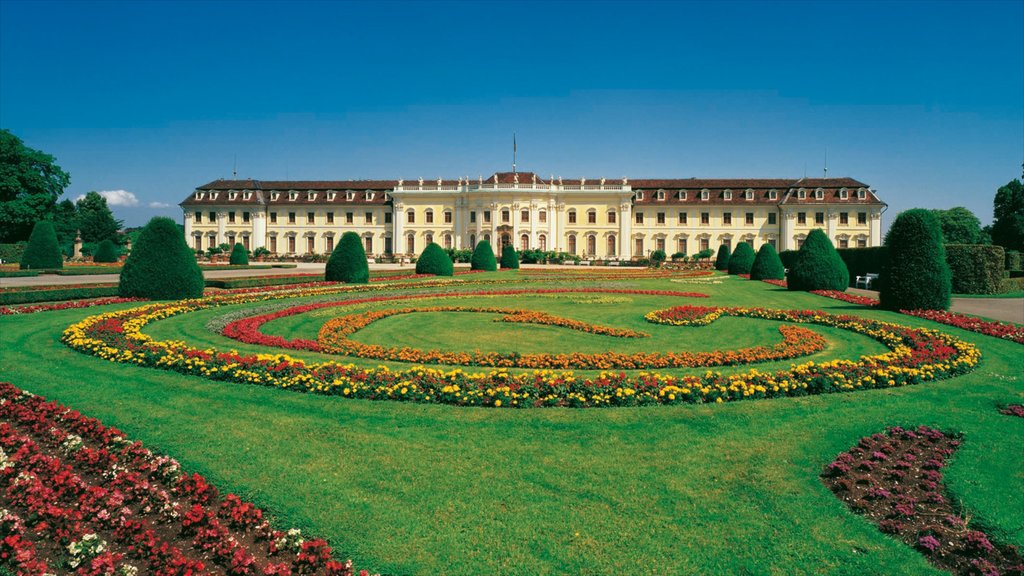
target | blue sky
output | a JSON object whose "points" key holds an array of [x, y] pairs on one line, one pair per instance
{"points": [[924, 101]]}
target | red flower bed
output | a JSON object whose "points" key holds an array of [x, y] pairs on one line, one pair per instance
{"points": [[79, 496], [845, 297], [1004, 330], [895, 480], [1013, 410], [67, 305]]}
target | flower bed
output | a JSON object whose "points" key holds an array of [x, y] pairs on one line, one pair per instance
{"points": [[895, 481], [67, 305], [1013, 410], [82, 497], [915, 356], [1004, 330], [845, 297]]}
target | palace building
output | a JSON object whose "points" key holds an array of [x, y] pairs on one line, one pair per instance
{"points": [[592, 218]]}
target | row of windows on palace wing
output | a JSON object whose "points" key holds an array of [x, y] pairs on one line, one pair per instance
{"points": [[800, 194], [639, 217]]}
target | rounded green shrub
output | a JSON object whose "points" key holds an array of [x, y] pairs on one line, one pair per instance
{"points": [[161, 265], [722, 261], [42, 251], [106, 251], [767, 265], [818, 266], [348, 261], [434, 260], [509, 258], [916, 275], [483, 257], [742, 259], [658, 257], [239, 256]]}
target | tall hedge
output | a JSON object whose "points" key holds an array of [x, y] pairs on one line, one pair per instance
{"points": [[742, 259], [916, 275], [483, 257], [722, 261], [767, 265], [509, 258], [434, 260], [788, 258], [348, 261], [863, 261], [975, 268], [161, 265], [42, 251], [239, 255], [106, 251], [1013, 260], [818, 266]]}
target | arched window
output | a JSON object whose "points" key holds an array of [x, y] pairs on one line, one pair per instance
{"points": [[368, 244], [591, 245], [487, 238], [611, 245], [447, 240], [505, 216], [472, 240], [542, 242], [542, 216], [638, 246], [572, 244], [506, 240], [428, 238], [524, 242], [410, 244]]}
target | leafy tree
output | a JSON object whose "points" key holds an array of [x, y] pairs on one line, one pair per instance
{"points": [[483, 257], [239, 256], [818, 266], [434, 260], [742, 259], [95, 219], [161, 265], [30, 183], [704, 254], [658, 258], [915, 275], [767, 265], [65, 222], [959, 226], [42, 250], [1008, 227], [107, 251], [509, 258], [348, 261], [722, 261]]}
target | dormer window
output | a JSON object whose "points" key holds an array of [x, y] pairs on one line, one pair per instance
{"points": [[350, 195], [773, 195], [749, 194], [331, 195], [705, 194], [213, 195], [843, 194], [819, 194], [727, 195], [199, 195], [232, 195], [293, 195], [862, 193], [801, 194], [370, 195], [310, 196], [661, 195], [682, 194], [246, 195], [387, 197], [274, 196], [639, 194]]}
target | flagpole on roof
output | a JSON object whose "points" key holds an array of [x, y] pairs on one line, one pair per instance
{"points": [[513, 152]]}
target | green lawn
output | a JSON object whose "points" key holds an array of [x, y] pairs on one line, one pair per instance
{"points": [[416, 489]]}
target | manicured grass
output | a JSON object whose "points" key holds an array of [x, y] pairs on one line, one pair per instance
{"points": [[406, 488]]}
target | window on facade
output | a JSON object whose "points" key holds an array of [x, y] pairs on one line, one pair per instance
{"points": [[801, 194], [387, 217], [213, 216], [611, 216], [748, 195], [727, 218], [199, 217], [640, 195], [728, 243], [705, 218], [844, 218], [773, 195], [704, 194], [291, 217], [245, 217], [659, 244], [330, 243], [572, 216], [524, 216], [771, 217], [819, 217], [410, 216], [368, 244], [428, 238], [591, 245], [447, 217], [862, 194], [750, 241], [410, 244], [487, 216], [591, 216], [571, 244], [472, 217], [231, 217], [638, 246], [542, 216], [844, 243], [231, 239], [862, 242], [843, 194], [472, 240], [661, 217], [705, 243], [661, 194], [291, 244], [819, 194], [799, 243], [749, 219], [862, 217], [611, 245], [369, 217], [682, 194], [273, 217], [310, 218], [681, 245], [273, 244], [428, 216], [639, 217], [388, 249], [506, 216], [447, 240], [801, 217], [774, 243], [682, 218], [524, 242], [350, 218], [310, 244], [245, 242], [727, 195], [542, 242]]}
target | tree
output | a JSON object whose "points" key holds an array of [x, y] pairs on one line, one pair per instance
{"points": [[483, 257], [658, 258], [959, 226], [30, 183], [818, 266], [161, 265], [915, 275], [767, 265], [95, 219], [42, 251], [107, 251], [65, 222], [509, 258], [1008, 227], [348, 261], [239, 255], [742, 259], [434, 260], [722, 261]]}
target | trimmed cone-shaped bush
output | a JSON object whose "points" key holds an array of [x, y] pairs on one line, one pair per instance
{"points": [[767, 265], [42, 250], [483, 257], [818, 266], [434, 260], [107, 251], [916, 275], [161, 265], [509, 258], [742, 259], [348, 261], [239, 255], [722, 262]]}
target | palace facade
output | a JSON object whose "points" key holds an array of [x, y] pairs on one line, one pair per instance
{"points": [[592, 218]]}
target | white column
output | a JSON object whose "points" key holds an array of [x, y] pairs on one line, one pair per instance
{"points": [[626, 230], [222, 222], [188, 227], [398, 223], [554, 212], [786, 230], [457, 219], [875, 227], [514, 213], [495, 241], [832, 217], [259, 230], [533, 223]]}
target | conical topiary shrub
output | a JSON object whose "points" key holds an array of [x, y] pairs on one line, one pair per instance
{"points": [[434, 260], [348, 261], [767, 265], [509, 258], [742, 259], [916, 275], [239, 255], [483, 257], [818, 266], [42, 250], [161, 265], [107, 251], [722, 261]]}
